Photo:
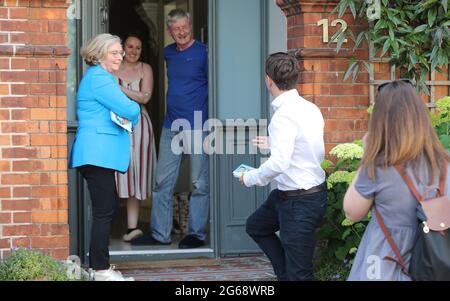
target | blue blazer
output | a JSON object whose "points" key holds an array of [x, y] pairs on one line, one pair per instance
{"points": [[99, 141]]}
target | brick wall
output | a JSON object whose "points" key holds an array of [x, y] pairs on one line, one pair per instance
{"points": [[343, 103], [33, 130]]}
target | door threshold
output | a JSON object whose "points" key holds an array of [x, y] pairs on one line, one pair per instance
{"points": [[160, 252], [163, 264]]}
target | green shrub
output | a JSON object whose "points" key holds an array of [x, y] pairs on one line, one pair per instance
{"points": [[441, 121], [29, 265], [342, 237], [331, 270]]}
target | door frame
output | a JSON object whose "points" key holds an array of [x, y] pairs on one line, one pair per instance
{"points": [[78, 194]]}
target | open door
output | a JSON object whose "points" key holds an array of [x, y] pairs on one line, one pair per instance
{"points": [[147, 18]]}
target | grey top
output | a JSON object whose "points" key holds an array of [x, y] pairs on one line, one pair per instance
{"points": [[398, 208]]}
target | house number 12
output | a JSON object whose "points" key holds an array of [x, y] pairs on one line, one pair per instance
{"points": [[325, 23]]}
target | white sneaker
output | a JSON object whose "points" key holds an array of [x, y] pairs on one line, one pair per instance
{"points": [[110, 275]]}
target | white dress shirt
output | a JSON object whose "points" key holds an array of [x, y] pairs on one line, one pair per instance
{"points": [[296, 146]]}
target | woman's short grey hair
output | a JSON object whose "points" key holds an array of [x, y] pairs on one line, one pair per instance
{"points": [[176, 15], [96, 48]]}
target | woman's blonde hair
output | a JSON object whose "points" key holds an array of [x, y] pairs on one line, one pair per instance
{"points": [[400, 132], [96, 48]]}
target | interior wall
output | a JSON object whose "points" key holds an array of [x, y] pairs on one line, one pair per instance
{"points": [[141, 17]]}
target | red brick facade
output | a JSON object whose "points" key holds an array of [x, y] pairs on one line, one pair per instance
{"points": [[33, 121], [343, 103], [33, 126]]}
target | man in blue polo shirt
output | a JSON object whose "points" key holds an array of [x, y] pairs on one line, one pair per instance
{"points": [[187, 110]]}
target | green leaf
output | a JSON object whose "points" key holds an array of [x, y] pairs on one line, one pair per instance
{"points": [[432, 14], [381, 24], [368, 68], [445, 141], [444, 4], [346, 233], [359, 40], [420, 28], [340, 40], [404, 43], [326, 164], [386, 47], [353, 8], [347, 74], [391, 34], [413, 57], [342, 8], [355, 72], [439, 37], [433, 53]]}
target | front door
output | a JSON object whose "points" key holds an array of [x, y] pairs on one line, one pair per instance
{"points": [[238, 39]]}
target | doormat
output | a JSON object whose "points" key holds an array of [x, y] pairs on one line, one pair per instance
{"points": [[229, 269]]}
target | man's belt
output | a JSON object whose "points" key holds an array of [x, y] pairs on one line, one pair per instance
{"points": [[301, 192]]}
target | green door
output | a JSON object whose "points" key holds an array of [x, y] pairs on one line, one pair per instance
{"points": [[239, 43]]}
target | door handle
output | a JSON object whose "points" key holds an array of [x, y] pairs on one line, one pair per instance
{"points": [[104, 15]]}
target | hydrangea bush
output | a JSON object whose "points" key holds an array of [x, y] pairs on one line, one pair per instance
{"points": [[441, 121], [342, 236]]}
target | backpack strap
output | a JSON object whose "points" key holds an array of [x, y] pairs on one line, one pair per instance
{"points": [[443, 178], [391, 242], [401, 170]]}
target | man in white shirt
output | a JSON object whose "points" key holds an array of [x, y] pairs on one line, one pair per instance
{"points": [[297, 149]]}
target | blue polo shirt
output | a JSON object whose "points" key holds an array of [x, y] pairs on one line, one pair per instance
{"points": [[187, 73]]}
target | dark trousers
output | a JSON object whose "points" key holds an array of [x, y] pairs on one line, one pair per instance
{"points": [[297, 219], [102, 189]]}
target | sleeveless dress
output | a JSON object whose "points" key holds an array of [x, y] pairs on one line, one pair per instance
{"points": [[138, 181]]}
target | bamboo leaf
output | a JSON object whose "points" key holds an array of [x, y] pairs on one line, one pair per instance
{"points": [[355, 72], [368, 68], [413, 57], [439, 37], [420, 28], [349, 71], [391, 34], [432, 14], [343, 8], [386, 47], [404, 43], [353, 8], [358, 40]]}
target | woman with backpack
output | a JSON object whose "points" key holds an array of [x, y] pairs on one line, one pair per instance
{"points": [[400, 139]]}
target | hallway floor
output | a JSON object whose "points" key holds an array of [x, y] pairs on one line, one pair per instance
{"points": [[252, 268]]}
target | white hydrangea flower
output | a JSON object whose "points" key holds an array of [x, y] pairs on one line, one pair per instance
{"points": [[347, 151], [443, 104], [347, 223], [340, 177]]}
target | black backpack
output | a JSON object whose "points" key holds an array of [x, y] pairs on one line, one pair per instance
{"points": [[430, 259]]}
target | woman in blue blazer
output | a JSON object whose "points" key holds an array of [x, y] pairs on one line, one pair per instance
{"points": [[102, 147]]}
